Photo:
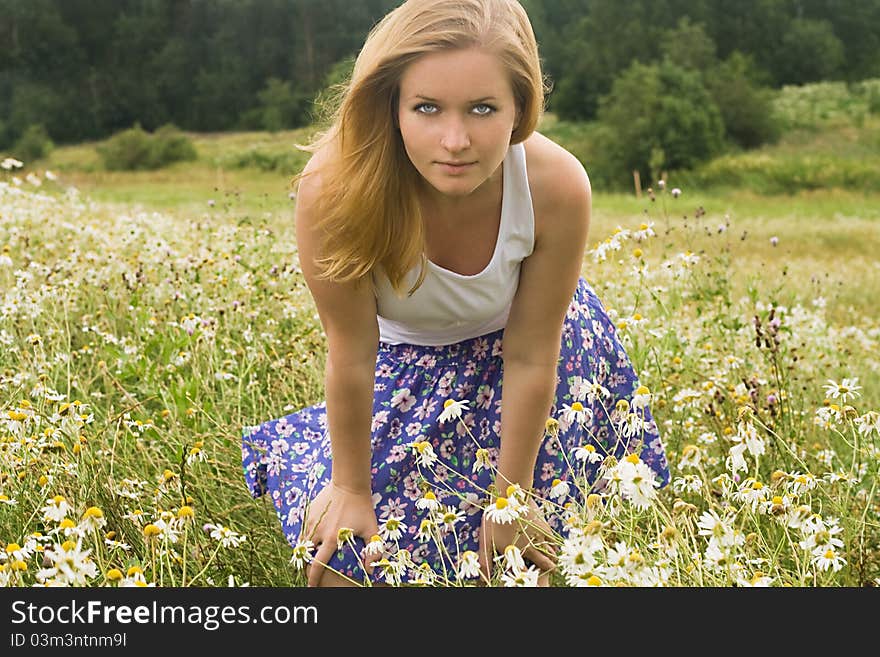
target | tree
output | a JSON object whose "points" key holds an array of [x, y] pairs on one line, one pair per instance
{"points": [[808, 52], [659, 116]]}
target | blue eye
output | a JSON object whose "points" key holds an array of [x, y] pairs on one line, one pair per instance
{"points": [[421, 105]]}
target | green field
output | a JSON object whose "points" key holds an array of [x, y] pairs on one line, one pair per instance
{"points": [[166, 309]]}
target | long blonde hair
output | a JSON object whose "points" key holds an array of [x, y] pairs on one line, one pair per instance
{"points": [[368, 210]]}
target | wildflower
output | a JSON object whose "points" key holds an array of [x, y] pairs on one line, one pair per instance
{"points": [[392, 529], [559, 489], [501, 511], [425, 455], [225, 536], [720, 529], [823, 537], [469, 566], [56, 509], [846, 389], [114, 575], [71, 563], [828, 559], [774, 240], [186, 512], [576, 413], [428, 501], [93, 519], [641, 398], [426, 529], [521, 578], [14, 552], [638, 483], [868, 422], [596, 391], [676, 192], [452, 410], [450, 517], [587, 453], [512, 558], [688, 483], [343, 536], [375, 546], [5, 499], [758, 579], [481, 459], [302, 554], [391, 571], [735, 460], [690, 457]]}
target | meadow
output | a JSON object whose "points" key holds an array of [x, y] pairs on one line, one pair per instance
{"points": [[148, 317]]}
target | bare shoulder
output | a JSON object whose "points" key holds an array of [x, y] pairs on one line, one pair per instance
{"points": [[558, 182]]}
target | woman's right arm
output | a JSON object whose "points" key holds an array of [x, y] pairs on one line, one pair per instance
{"points": [[348, 315]]}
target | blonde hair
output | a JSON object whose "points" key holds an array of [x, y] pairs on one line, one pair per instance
{"points": [[368, 212]]}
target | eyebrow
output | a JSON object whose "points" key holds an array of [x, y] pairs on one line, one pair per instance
{"points": [[478, 100]]}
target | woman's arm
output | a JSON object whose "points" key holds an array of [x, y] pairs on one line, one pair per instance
{"points": [[348, 315], [532, 338]]}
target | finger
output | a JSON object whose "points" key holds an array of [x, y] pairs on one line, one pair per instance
{"points": [[541, 560], [322, 557]]}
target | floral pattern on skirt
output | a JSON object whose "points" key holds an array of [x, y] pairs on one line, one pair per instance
{"points": [[290, 457]]}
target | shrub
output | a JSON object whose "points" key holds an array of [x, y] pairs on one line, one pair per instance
{"points": [[171, 145], [34, 144], [135, 149]]}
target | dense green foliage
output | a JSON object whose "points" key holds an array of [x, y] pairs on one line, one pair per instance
{"points": [[86, 69]]}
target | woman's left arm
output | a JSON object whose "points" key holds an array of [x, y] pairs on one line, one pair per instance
{"points": [[533, 335]]}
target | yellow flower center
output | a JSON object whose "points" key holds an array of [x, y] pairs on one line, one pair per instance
{"points": [[501, 503], [448, 403], [68, 545], [577, 407], [12, 547], [594, 581], [93, 512], [114, 574], [633, 458]]}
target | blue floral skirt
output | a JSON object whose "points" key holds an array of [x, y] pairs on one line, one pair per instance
{"points": [[290, 457]]}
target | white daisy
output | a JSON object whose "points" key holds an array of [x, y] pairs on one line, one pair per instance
{"points": [[502, 511], [469, 566], [452, 410]]}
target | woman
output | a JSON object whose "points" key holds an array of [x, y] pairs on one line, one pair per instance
{"points": [[436, 226]]}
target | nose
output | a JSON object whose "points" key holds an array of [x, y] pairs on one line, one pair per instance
{"points": [[455, 136]]}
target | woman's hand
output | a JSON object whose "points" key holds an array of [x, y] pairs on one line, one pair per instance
{"points": [[530, 533], [333, 508]]}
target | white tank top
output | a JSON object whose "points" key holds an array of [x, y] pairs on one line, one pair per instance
{"points": [[449, 307]]}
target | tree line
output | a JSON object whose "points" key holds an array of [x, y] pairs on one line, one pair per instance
{"points": [[85, 69]]}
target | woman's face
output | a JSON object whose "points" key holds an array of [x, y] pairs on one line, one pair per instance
{"points": [[456, 106]]}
